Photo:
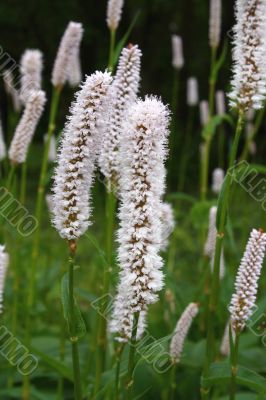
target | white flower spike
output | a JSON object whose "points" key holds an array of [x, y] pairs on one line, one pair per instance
{"points": [[4, 260], [31, 66], [192, 92], [215, 23], [114, 11], [177, 52]]}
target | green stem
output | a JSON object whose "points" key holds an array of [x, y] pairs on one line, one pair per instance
{"points": [[10, 176], [117, 370], [251, 137], [74, 339], [234, 362], [214, 295], [172, 388], [111, 50], [205, 157], [212, 81], [23, 183], [131, 358], [102, 323], [221, 144]]}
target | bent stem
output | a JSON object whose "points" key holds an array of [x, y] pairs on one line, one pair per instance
{"points": [[74, 339], [214, 295], [131, 358], [234, 362]]}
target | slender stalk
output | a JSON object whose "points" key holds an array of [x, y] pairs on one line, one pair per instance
{"points": [[212, 81], [131, 358], [251, 137], [10, 176], [74, 339], [234, 362], [102, 323], [214, 295], [111, 50], [172, 388], [174, 139], [119, 353], [23, 183], [221, 144], [60, 386], [205, 157]]}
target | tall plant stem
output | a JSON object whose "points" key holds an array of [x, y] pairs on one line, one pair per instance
{"points": [[36, 238], [234, 362], [251, 137], [119, 353], [111, 50], [102, 325], [221, 221], [221, 144], [10, 176], [212, 81], [172, 388], [23, 183], [131, 358], [74, 339], [174, 139]]}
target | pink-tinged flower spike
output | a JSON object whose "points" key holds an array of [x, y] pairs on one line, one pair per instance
{"points": [[11, 90], [142, 184], [192, 92], [246, 284], [220, 102], [27, 125], [123, 93], [217, 180], [31, 66], [177, 52], [75, 73], [209, 248], [114, 11], [215, 23], [76, 158], [181, 331], [168, 223], [68, 50], [249, 55], [2, 143], [4, 260], [204, 112]]}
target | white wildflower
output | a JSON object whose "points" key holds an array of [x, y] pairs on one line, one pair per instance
{"points": [[31, 66], [114, 11], [215, 20], [177, 52], [217, 180], [4, 260], [192, 92]]}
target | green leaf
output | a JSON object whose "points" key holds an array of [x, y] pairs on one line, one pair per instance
{"points": [[76, 325], [53, 363], [219, 63], [220, 373], [96, 244], [199, 213], [181, 196], [210, 128], [124, 39]]}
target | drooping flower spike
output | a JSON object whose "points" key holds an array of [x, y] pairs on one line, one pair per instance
{"points": [[215, 20], [27, 125], [249, 55], [246, 284], [181, 331], [31, 66], [76, 158], [114, 11], [123, 93], [68, 50], [143, 152]]}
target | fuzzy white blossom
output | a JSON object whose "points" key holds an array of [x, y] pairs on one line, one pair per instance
{"points": [[76, 158], [2, 143], [168, 223], [209, 248], [4, 260], [74, 74], [114, 11], [204, 112], [246, 284], [50, 203], [123, 93], [249, 55], [215, 20], [181, 331], [11, 90], [27, 125], [143, 152], [217, 180], [220, 102], [68, 50], [192, 92], [31, 65], [177, 52], [52, 148]]}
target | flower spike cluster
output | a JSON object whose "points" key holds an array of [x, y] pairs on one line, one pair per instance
{"points": [[4, 260], [114, 11], [76, 159], [68, 50], [122, 95], [27, 125], [181, 331], [249, 55], [143, 152], [192, 92], [246, 284], [215, 23], [177, 52], [31, 66]]}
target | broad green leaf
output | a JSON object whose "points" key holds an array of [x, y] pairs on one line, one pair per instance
{"points": [[76, 325], [124, 39]]}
